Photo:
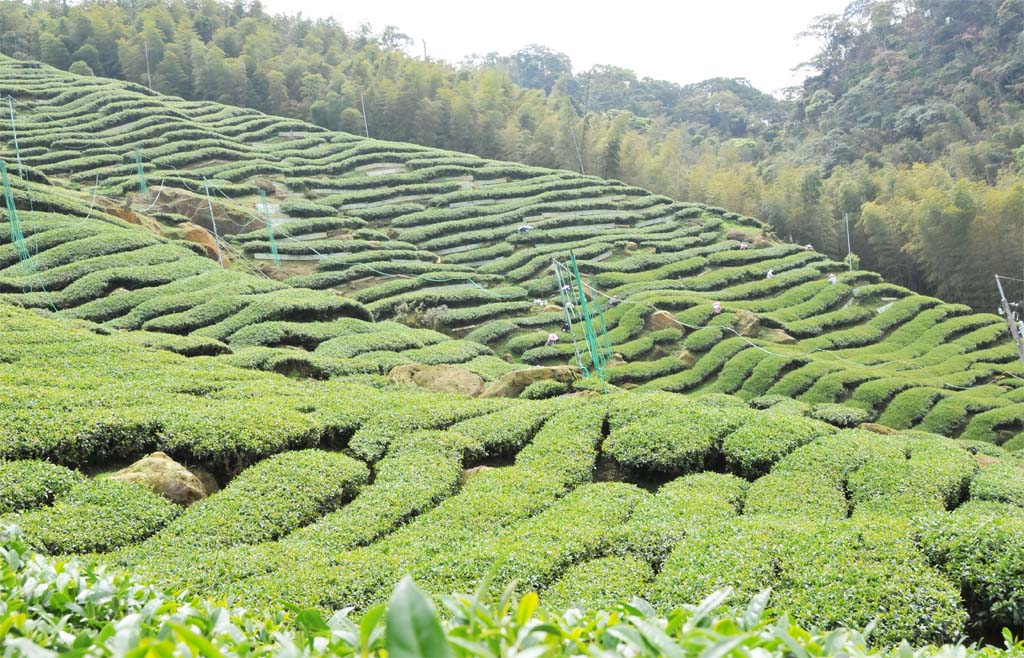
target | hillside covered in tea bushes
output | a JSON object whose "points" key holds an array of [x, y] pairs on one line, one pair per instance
{"points": [[909, 119], [232, 289], [435, 241]]}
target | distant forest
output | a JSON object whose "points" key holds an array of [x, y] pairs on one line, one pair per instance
{"points": [[910, 121]]}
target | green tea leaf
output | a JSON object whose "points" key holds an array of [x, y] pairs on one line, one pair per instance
{"points": [[413, 629]]}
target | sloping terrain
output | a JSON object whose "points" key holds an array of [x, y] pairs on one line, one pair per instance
{"points": [[333, 484], [431, 238]]}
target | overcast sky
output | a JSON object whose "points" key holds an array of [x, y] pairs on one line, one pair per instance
{"points": [[679, 40]]}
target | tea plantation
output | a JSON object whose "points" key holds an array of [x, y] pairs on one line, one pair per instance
{"points": [[854, 447]]}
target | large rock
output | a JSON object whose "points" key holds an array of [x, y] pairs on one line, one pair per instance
{"points": [[747, 324], [511, 384], [443, 379], [878, 429], [164, 476], [203, 238], [777, 336], [663, 320], [688, 358]]}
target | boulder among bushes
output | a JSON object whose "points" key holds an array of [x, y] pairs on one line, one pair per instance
{"points": [[164, 476], [444, 379], [511, 385]]}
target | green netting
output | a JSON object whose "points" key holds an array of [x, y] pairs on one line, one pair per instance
{"points": [[270, 229], [14, 133], [596, 352], [142, 174], [564, 291], [17, 236], [213, 221]]}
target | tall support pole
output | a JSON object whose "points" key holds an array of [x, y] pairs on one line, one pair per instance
{"points": [[579, 156], [1009, 321], [145, 48], [362, 103], [213, 220], [849, 249]]}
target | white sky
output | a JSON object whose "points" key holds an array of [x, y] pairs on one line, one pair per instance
{"points": [[679, 40]]}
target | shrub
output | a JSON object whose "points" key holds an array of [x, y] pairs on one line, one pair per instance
{"points": [[680, 507], [537, 551], [560, 458], [394, 340], [183, 345], [418, 470], [752, 449], [822, 573], [594, 583], [983, 553], [909, 406], [288, 304], [490, 367], [738, 369], [266, 502], [414, 410], [545, 388], [297, 207], [677, 440], [96, 516], [450, 351], [506, 430], [933, 474], [1003, 483], [25, 484], [194, 625], [703, 339], [839, 415]]}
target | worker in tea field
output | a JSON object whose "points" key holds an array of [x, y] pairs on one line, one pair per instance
{"points": [[552, 339], [716, 308], [770, 274], [832, 278]]}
